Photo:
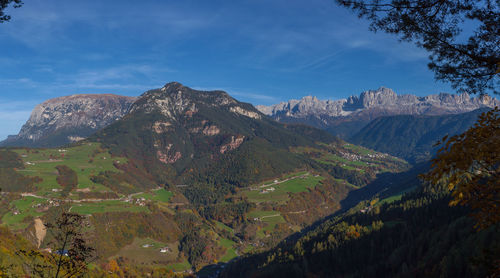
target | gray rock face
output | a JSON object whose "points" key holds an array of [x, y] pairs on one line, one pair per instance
{"points": [[70, 118], [345, 117], [175, 100]]}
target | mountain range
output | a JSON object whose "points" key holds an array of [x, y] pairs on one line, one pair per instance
{"points": [[345, 117], [67, 119]]}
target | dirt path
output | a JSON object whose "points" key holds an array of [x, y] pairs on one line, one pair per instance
{"points": [[267, 216], [40, 231], [296, 212], [285, 180]]}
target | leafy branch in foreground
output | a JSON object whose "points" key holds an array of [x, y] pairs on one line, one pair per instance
{"points": [[69, 254], [471, 64], [4, 4], [469, 164]]}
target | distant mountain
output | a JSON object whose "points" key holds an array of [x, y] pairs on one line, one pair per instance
{"points": [[412, 137], [345, 117], [68, 119], [206, 139]]}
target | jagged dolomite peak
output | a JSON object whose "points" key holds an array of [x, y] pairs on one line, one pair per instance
{"points": [[72, 118], [345, 117], [381, 99]]}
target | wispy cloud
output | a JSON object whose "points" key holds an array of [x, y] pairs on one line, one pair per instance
{"points": [[255, 97]]}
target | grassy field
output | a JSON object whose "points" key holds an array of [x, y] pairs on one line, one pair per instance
{"points": [[358, 149], [390, 199], [150, 255], [261, 213], [106, 206], [270, 222], [222, 226], [25, 208], [86, 160], [160, 195], [230, 252], [352, 157], [299, 182], [269, 218], [395, 197], [338, 159], [178, 267]]}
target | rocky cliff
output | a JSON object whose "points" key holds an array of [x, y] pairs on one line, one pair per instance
{"points": [[345, 117], [67, 119]]}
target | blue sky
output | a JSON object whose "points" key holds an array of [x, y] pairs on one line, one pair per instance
{"points": [[259, 51]]}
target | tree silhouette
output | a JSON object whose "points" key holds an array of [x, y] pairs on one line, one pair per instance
{"points": [[471, 65], [4, 4], [69, 253]]}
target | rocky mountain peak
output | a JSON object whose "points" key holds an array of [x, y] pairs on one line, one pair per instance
{"points": [[369, 105], [70, 118], [174, 100]]}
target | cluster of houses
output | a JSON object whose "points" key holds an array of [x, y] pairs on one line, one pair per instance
{"points": [[267, 190], [38, 206], [46, 206], [366, 209], [357, 157], [350, 156], [138, 201], [377, 155]]}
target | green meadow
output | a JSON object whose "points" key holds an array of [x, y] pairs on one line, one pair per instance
{"points": [[281, 190], [86, 160], [106, 206]]}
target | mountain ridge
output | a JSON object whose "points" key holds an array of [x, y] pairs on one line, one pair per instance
{"points": [[344, 117], [412, 137], [67, 119]]}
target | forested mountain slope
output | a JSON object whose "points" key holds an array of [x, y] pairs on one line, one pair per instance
{"points": [[417, 236], [412, 137]]}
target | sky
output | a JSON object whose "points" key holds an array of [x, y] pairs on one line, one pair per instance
{"points": [[259, 51]]}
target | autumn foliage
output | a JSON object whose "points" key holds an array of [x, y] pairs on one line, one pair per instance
{"points": [[469, 165]]}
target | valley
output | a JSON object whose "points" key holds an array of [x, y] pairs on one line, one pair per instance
{"points": [[250, 139], [193, 181], [273, 211]]}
